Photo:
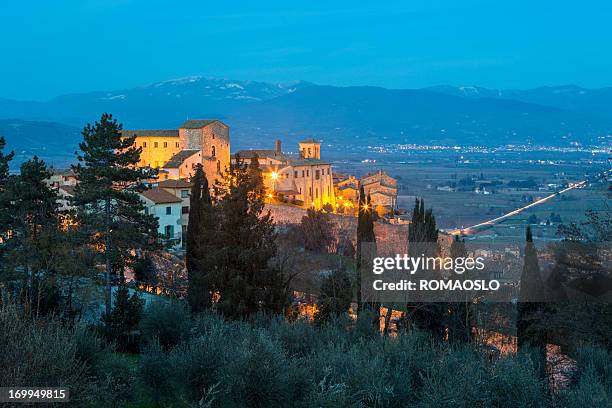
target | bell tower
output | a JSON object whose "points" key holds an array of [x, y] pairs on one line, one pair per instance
{"points": [[310, 149]]}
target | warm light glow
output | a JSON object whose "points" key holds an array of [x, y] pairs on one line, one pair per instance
{"points": [[274, 175], [346, 204], [365, 206], [270, 195], [312, 204]]}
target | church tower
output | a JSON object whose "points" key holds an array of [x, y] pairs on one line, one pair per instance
{"points": [[310, 149]]}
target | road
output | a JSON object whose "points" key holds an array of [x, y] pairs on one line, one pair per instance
{"points": [[488, 224]]}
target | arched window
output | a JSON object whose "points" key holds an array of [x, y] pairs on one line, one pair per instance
{"points": [[213, 151], [218, 166]]}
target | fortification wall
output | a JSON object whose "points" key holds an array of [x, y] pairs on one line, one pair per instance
{"points": [[390, 238]]}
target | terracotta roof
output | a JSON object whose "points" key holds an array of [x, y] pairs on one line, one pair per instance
{"points": [[150, 132], [179, 183], [197, 123], [308, 162], [178, 159], [160, 196]]}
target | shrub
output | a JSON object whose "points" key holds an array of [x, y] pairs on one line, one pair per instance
{"points": [[41, 353], [156, 374], [167, 321]]}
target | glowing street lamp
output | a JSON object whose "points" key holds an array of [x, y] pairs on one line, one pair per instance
{"points": [[274, 175]]}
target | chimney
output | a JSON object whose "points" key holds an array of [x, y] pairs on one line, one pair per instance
{"points": [[277, 146]]}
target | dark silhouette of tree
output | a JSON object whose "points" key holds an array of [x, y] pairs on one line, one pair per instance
{"points": [[110, 211], [365, 253], [530, 336], [317, 229], [244, 246], [335, 297], [201, 235]]}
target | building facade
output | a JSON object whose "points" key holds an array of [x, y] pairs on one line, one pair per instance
{"points": [[176, 152], [304, 180]]}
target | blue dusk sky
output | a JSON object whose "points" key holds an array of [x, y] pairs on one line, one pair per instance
{"points": [[56, 47]]}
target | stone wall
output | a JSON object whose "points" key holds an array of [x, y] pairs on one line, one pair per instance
{"points": [[390, 238]]}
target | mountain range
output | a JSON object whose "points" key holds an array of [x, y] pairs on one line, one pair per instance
{"points": [[260, 112]]}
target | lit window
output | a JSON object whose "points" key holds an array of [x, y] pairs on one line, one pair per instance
{"points": [[295, 174], [165, 144], [213, 151], [144, 144], [155, 145]]}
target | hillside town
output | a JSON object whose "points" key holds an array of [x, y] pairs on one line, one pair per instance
{"points": [[301, 179]]}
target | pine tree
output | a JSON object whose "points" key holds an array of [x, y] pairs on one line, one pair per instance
{"points": [[365, 253], [530, 335], [245, 244], [201, 233], [110, 211], [125, 317], [35, 230]]}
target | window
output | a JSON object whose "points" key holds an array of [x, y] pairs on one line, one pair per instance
{"points": [[310, 191], [155, 145], [302, 173], [185, 210], [213, 151], [144, 144], [169, 231], [168, 210], [307, 173], [177, 144], [295, 174], [218, 166], [146, 210], [328, 171], [165, 144], [318, 174], [316, 193], [300, 190], [286, 175], [184, 193], [309, 152]]}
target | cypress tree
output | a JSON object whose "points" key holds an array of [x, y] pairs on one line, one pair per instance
{"points": [[201, 232], [458, 313], [423, 242], [244, 246], [530, 336], [110, 211], [365, 253]]}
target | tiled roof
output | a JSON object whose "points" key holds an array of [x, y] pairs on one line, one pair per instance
{"points": [[150, 132], [179, 183], [160, 196], [178, 159], [311, 140], [197, 123], [308, 162]]}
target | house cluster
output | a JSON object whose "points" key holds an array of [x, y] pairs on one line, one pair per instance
{"points": [[381, 188], [301, 179]]}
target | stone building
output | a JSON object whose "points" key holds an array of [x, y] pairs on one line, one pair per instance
{"points": [[176, 152], [305, 179], [166, 207]]}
